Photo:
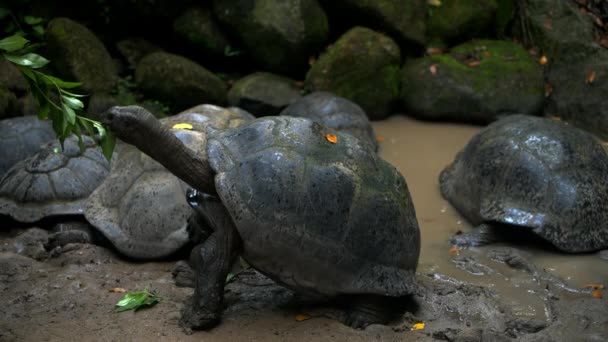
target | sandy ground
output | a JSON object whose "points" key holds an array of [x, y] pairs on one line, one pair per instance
{"points": [[64, 295]]}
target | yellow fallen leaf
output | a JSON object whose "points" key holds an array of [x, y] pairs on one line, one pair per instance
{"points": [[590, 77], [454, 250], [117, 290], [302, 317], [543, 60], [596, 294], [418, 326], [379, 139], [473, 64], [332, 138], [182, 125]]}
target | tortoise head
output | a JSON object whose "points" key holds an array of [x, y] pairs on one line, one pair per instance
{"points": [[136, 126]]}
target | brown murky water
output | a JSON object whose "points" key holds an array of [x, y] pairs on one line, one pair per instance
{"points": [[420, 150]]}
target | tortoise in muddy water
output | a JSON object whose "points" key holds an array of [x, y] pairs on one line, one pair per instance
{"points": [[528, 174], [21, 137], [320, 215], [141, 207]]}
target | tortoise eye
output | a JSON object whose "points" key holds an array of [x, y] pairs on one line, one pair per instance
{"points": [[192, 197]]}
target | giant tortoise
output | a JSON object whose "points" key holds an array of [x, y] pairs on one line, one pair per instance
{"points": [[527, 174], [312, 208]]}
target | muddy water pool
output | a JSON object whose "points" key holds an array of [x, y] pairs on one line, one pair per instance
{"points": [[420, 150]]}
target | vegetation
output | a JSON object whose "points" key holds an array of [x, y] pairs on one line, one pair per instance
{"points": [[54, 96]]}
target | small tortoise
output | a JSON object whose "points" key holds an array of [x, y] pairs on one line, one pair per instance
{"points": [[141, 207], [21, 137], [528, 174], [322, 216], [334, 112]]}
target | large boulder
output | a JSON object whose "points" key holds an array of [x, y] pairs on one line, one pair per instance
{"points": [[405, 21], [477, 81], [362, 66], [579, 88], [578, 65], [280, 35], [77, 54], [263, 93], [456, 21], [178, 81], [199, 30], [556, 27]]}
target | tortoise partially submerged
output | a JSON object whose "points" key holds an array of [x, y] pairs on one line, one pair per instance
{"points": [[318, 215], [531, 174], [141, 207], [21, 137]]}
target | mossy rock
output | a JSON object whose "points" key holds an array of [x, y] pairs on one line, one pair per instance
{"points": [[362, 66], [11, 78], [279, 35], [405, 21], [78, 55], [476, 82], [134, 49], [459, 20], [579, 88], [199, 30], [178, 81], [263, 93], [556, 27]]}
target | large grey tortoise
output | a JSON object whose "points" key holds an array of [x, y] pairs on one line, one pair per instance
{"points": [[21, 137], [334, 112], [527, 174], [53, 182], [141, 207], [312, 208]]}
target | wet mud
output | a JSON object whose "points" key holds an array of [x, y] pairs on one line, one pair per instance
{"points": [[502, 292]]}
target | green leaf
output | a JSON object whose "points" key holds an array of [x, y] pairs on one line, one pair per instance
{"points": [[229, 52], [136, 300], [13, 43], [69, 114], [72, 102], [108, 142], [31, 60], [78, 133], [39, 30], [61, 83], [87, 126], [31, 20]]}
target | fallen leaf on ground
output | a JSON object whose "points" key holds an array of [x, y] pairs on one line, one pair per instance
{"points": [[454, 250], [433, 51], [473, 63], [590, 77], [596, 294], [433, 69], [543, 60], [379, 139], [137, 300], [418, 326], [118, 290], [302, 317], [332, 138]]}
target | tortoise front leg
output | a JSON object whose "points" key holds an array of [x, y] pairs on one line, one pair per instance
{"points": [[212, 264]]}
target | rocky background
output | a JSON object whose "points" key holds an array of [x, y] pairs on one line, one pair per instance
{"points": [[457, 60]]}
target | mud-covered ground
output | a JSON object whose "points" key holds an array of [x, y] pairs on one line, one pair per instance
{"points": [[65, 296]]}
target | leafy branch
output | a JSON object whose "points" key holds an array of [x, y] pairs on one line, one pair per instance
{"points": [[54, 97]]}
